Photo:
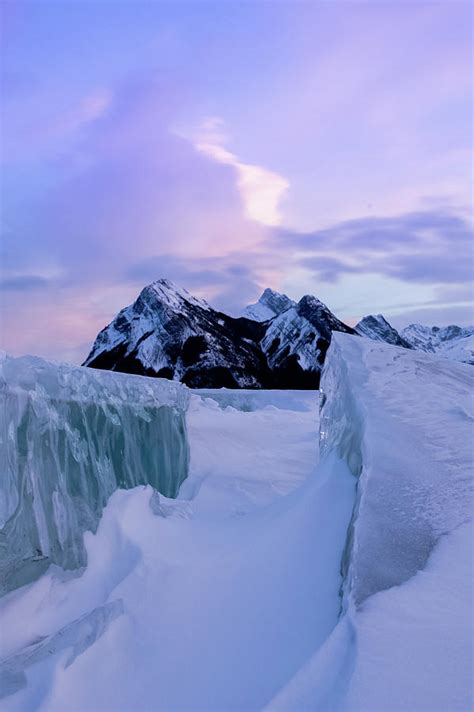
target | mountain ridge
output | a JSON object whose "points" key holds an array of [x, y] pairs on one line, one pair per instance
{"points": [[276, 342], [169, 333]]}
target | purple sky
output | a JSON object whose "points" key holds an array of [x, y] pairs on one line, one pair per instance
{"points": [[314, 147]]}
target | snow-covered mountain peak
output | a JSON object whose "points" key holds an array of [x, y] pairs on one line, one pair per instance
{"points": [[270, 304], [166, 292], [309, 301], [376, 327], [453, 342]]}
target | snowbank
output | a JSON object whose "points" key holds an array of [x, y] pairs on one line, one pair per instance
{"points": [[232, 597], [210, 601], [402, 421], [248, 400], [69, 437]]}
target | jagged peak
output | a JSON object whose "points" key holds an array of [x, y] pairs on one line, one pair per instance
{"points": [[275, 300], [166, 291], [310, 301], [269, 305], [374, 318]]}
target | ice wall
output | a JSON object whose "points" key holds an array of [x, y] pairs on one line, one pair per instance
{"points": [[69, 437], [402, 420]]}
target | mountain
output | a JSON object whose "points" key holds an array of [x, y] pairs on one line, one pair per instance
{"points": [[453, 342], [296, 341], [269, 305], [169, 333], [376, 327]]}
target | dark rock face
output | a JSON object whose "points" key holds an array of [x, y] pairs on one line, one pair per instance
{"points": [[296, 341], [169, 333], [376, 327]]}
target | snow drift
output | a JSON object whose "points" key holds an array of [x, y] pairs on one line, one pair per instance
{"points": [[271, 581], [402, 421], [69, 437]]}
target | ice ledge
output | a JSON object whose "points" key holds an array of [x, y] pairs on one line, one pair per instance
{"points": [[69, 437], [402, 420]]}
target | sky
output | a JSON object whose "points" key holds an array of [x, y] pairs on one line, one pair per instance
{"points": [[319, 147]]}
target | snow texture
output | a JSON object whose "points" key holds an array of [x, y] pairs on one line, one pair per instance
{"points": [[69, 437], [273, 582], [452, 342], [167, 332], [211, 601], [376, 327], [402, 421], [298, 339], [269, 305]]}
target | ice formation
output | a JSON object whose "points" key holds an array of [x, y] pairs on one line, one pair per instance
{"points": [[403, 422], [69, 437], [250, 400], [231, 596]]}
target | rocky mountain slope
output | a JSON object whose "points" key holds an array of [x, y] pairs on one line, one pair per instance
{"points": [[270, 305], [277, 343], [376, 327], [296, 341], [455, 343], [169, 333]]}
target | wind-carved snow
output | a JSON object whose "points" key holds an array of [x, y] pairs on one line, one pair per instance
{"points": [[219, 596], [229, 597], [69, 437], [402, 421]]}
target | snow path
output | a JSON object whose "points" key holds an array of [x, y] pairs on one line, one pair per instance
{"points": [[212, 601]]}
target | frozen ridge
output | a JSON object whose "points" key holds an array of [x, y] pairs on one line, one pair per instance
{"points": [[402, 421], [69, 437]]}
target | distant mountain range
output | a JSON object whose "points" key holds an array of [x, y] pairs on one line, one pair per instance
{"points": [[452, 342], [276, 343]]}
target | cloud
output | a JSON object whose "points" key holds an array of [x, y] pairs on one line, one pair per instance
{"points": [[228, 282], [437, 315], [261, 190], [23, 283], [432, 247], [124, 202]]}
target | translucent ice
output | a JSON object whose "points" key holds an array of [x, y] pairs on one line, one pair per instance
{"points": [[69, 437], [402, 420]]}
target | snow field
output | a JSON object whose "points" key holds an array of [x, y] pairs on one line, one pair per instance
{"points": [[212, 601]]}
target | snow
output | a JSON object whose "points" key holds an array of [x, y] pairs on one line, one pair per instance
{"points": [[250, 399], [407, 417], [210, 601], [420, 635], [70, 436], [402, 421], [376, 327], [461, 349], [452, 342], [272, 581], [269, 305], [174, 296]]}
